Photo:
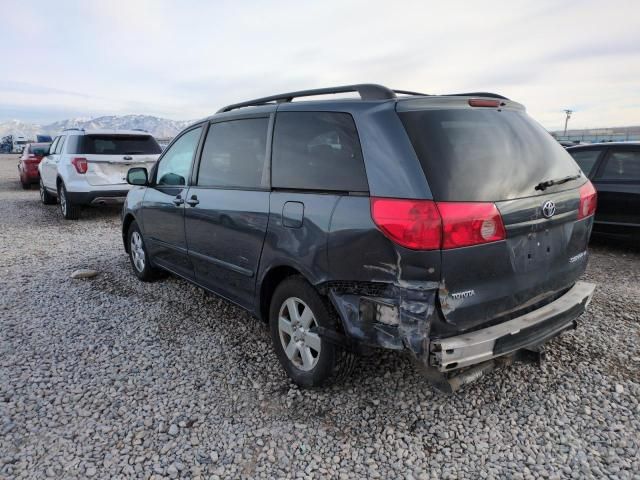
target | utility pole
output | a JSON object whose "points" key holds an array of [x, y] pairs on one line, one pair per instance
{"points": [[566, 120]]}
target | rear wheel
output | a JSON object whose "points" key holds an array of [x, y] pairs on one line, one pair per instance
{"points": [[69, 210], [139, 256], [296, 312], [45, 197], [25, 186]]}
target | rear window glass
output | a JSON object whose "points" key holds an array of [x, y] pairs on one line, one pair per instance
{"points": [[486, 155], [317, 151], [39, 149], [117, 145], [585, 159], [622, 166]]}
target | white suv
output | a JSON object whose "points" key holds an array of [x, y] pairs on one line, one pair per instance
{"points": [[89, 167]]}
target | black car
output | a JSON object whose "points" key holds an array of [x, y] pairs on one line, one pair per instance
{"points": [[614, 169], [452, 227]]}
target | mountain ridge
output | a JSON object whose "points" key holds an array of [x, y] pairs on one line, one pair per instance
{"points": [[157, 126]]}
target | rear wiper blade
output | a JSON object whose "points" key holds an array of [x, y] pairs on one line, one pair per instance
{"points": [[549, 183]]}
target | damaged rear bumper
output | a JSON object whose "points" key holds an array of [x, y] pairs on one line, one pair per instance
{"points": [[531, 329]]}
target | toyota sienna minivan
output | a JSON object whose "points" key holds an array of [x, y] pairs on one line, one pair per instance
{"points": [[453, 227]]}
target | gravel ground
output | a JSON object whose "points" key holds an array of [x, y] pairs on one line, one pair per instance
{"points": [[110, 377]]}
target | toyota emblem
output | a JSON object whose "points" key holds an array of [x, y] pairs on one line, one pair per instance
{"points": [[548, 209]]}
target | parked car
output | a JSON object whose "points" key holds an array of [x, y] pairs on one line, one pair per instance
{"points": [[89, 167], [452, 227], [28, 163], [614, 169]]}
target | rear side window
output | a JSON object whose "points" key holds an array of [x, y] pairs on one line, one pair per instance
{"points": [[317, 151], [118, 145], [234, 154], [621, 166], [485, 154], [586, 159]]}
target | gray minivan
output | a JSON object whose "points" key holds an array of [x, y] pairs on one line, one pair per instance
{"points": [[453, 227]]}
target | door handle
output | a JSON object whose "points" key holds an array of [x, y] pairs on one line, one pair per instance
{"points": [[193, 201], [178, 201]]}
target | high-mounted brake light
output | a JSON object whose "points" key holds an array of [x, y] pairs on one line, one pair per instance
{"points": [[80, 163], [482, 102], [588, 200], [429, 225]]}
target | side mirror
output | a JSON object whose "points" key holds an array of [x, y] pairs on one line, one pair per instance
{"points": [[138, 176]]}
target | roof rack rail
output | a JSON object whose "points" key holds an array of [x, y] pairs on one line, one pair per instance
{"points": [[367, 91], [140, 130], [409, 92], [477, 94], [74, 128]]}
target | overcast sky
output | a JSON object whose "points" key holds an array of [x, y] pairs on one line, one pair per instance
{"points": [[183, 60]]}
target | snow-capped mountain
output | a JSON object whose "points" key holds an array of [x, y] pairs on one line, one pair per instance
{"points": [[159, 127]]}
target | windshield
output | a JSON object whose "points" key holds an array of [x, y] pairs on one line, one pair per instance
{"points": [[118, 145], [486, 155]]}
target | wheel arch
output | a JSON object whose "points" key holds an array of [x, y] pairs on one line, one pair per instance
{"points": [[272, 278], [128, 219]]}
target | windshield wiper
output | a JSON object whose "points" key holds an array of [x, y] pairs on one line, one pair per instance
{"points": [[549, 183]]}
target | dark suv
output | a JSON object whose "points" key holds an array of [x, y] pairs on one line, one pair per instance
{"points": [[615, 171], [453, 227]]}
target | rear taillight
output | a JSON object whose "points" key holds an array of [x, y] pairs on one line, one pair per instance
{"points": [[414, 224], [588, 200], [470, 223], [80, 164], [429, 225]]}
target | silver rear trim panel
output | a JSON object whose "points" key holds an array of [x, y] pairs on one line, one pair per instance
{"points": [[475, 347], [108, 200]]}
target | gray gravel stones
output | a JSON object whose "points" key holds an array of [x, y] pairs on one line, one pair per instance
{"points": [[94, 375]]}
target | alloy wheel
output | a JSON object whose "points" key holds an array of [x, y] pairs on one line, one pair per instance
{"points": [[63, 200], [137, 251], [295, 323]]}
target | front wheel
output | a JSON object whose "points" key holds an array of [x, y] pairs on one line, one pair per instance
{"points": [[139, 256], [69, 210], [296, 312], [45, 197]]}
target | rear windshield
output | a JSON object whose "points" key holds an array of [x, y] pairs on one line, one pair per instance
{"points": [[117, 145], [39, 149], [486, 155]]}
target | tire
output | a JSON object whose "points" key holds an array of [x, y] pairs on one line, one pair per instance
{"points": [[308, 359], [25, 186], [45, 197], [70, 211], [139, 257]]}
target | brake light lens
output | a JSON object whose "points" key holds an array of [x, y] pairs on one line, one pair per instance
{"points": [[81, 164], [470, 223], [481, 102], [588, 200], [429, 225], [414, 224]]}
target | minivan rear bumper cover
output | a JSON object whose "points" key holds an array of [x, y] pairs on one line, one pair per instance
{"points": [[529, 330]]}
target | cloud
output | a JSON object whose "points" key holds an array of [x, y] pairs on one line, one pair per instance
{"points": [[185, 60]]}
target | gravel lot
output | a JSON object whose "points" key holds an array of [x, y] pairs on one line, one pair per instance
{"points": [[110, 377]]}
